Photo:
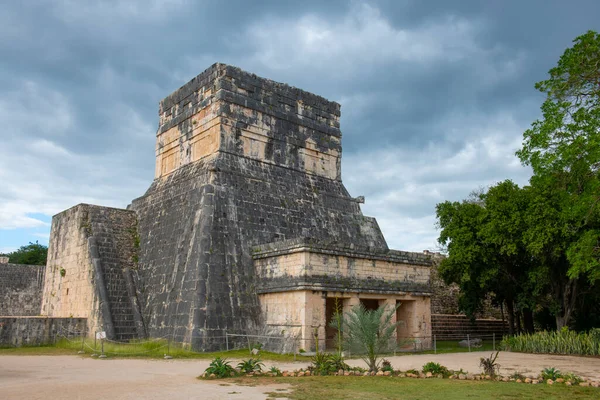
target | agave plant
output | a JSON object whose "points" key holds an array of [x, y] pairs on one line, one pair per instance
{"points": [[489, 365], [251, 365], [220, 368], [551, 373]]}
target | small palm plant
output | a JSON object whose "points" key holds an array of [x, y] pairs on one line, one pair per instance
{"points": [[370, 333]]}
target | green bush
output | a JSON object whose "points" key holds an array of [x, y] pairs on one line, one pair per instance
{"points": [[556, 342], [251, 365], [220, 368], [551, 373], [386, 365], [326, 363], [435, 368], [571, 377]]}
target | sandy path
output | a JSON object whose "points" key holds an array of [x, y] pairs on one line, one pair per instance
{"points": [[73, 377]]}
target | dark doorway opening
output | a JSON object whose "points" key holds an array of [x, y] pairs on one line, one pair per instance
{"points": [[370, 304]]}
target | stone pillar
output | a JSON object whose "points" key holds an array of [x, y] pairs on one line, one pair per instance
{"points": [[350, 302], [390, 304], [313, 318]]}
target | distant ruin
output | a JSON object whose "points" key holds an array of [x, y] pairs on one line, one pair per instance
{"points": [[246, 228]]}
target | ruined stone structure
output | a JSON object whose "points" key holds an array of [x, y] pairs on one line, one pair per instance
{"points": [[246, 228], [20, 288]]}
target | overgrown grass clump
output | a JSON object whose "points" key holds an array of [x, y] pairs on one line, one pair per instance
{"points": [[556, 342]]}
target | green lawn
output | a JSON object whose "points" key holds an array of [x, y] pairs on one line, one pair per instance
{"points": [[333, 387], [153, 349], [158, 348]]}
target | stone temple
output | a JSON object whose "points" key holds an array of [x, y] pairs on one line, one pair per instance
{"points": [[247, 229]]}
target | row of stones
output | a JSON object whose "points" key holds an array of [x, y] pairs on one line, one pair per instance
{"points": [[421, 375]]}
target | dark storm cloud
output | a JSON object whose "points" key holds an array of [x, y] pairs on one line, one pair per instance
{"points": [[435, 95]]}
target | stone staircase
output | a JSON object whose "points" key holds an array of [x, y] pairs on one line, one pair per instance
{"points": [[457, 327], [114, 231]]}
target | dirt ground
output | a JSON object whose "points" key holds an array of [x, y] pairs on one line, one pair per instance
{"points": [[74, 377]]}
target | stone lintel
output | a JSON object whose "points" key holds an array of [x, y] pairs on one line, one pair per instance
{"points": [[300, 245]]}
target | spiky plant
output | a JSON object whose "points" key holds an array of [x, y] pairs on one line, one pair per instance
{"points": [[489, 365], [251, 365], [370, 333]]}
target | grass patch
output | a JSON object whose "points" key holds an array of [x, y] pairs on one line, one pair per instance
{"points": [[333, 387], [556, 342], [155, 349], [158, 348], [35, 351]]}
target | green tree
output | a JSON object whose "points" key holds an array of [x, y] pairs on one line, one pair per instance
{"points": [[370, 333], [486, 253], [32, 254], [563, 148]]}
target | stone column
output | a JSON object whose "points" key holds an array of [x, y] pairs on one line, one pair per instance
{"points": [[314, 319], [348, 303], [390, 304]]}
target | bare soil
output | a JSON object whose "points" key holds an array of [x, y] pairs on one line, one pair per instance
{"points": [[74, 377]]}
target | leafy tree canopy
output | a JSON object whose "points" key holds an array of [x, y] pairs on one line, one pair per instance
{"points": [[32, 254], [563, 148]]}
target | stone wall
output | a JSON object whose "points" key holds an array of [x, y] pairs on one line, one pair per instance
{"points": [[457, 327], [229, 110], [91, 252], [444, 298], [35, 331], [21, 289]]}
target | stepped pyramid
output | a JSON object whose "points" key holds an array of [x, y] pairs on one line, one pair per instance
{"points": [[247, 181]]}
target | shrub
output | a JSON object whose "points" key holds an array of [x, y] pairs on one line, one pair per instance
{"points": [[551, 373], [435, 368], [489, 365], [275, 370], [220, 368], [326, 363], [251, 365], [556, 342], [517, 375], [386, 365], [571, 377]]}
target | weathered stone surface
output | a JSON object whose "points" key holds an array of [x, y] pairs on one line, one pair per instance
{"points": [[242, 164], [271, 173], [21, 289], [473, 342], [454, 327], [90, 252], [32, 331], [300, 264]]}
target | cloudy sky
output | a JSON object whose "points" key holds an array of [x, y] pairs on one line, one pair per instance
{"points": [[435, 95]]}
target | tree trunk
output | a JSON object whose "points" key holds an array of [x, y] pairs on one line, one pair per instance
{"points": [[511, 317], [568, 299], [528, 320]]}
